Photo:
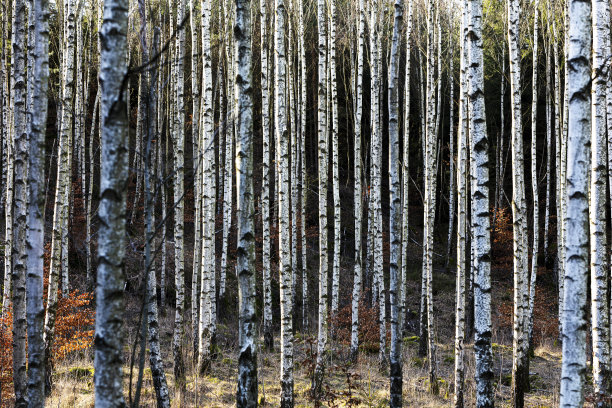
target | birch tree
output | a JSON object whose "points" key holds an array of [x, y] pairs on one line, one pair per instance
{"points": [[357, 267], [462, 205], [20, 199], [335, 176], [109, 340], [63, 183], [597, 204], [178, 144], [265, 180], [481, 244], [576, 220], [38, 84], [246, 395], [520, 377], [430, 165], [282, 148], [406, 157], [207, 322], [322, 164], [395, 282]]}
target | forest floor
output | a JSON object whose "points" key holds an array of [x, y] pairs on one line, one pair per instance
{"points": [[363, 384]]}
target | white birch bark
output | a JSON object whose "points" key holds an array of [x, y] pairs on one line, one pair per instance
{"points": [[283, 193], [111, 235], [207, 324], [534, 187], [303, 179], [481, 244], [335, 176], [395, 214], [38, 85], [63, 178], [178, 144], [405, 158], [265, 183], [196, 135], [430, 142], [462, 208], [20, 198], [451, 157], [519, 213], [357, 266], [322, 143], [246, 395], [576, 219], [600, 319]]}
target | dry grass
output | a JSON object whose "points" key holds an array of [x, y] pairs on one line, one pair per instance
{"points": [[73, 384]]}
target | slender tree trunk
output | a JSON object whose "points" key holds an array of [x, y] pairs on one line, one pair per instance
{"points": [[178, 144], [20, 199], [111, 235], [358, 114], [395, 237], [323, 165], [481, 246], [528, 327], [303, 179], [430, 165], [520, 377], [207, 324], [63, 183], [38, 84], [451, 158], [600, 274], [149, 132], [246, 395], [462, 207], [335, 175], [194, 12], [576, 220], [560, 183], [265, 183], [282, 149], [549, 151]]}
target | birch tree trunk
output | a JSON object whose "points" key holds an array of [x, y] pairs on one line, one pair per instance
{"points": [[38, 82], [111, 235], [462, 208], [405, 160], [376, 177], [282, 149], [335, 176], [520, 378], [265, 180], [323, 166], [560, 175], [451, 159], [535, 196], [207, 324], [600, 310], [20, 199], [303, 180], [549, 151], [395, 237], [576, 219], [430, 166], [63, 180], [196, 135], [481, 244], [178, 144], [357, 267], [149, 132], [246, 395]]}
